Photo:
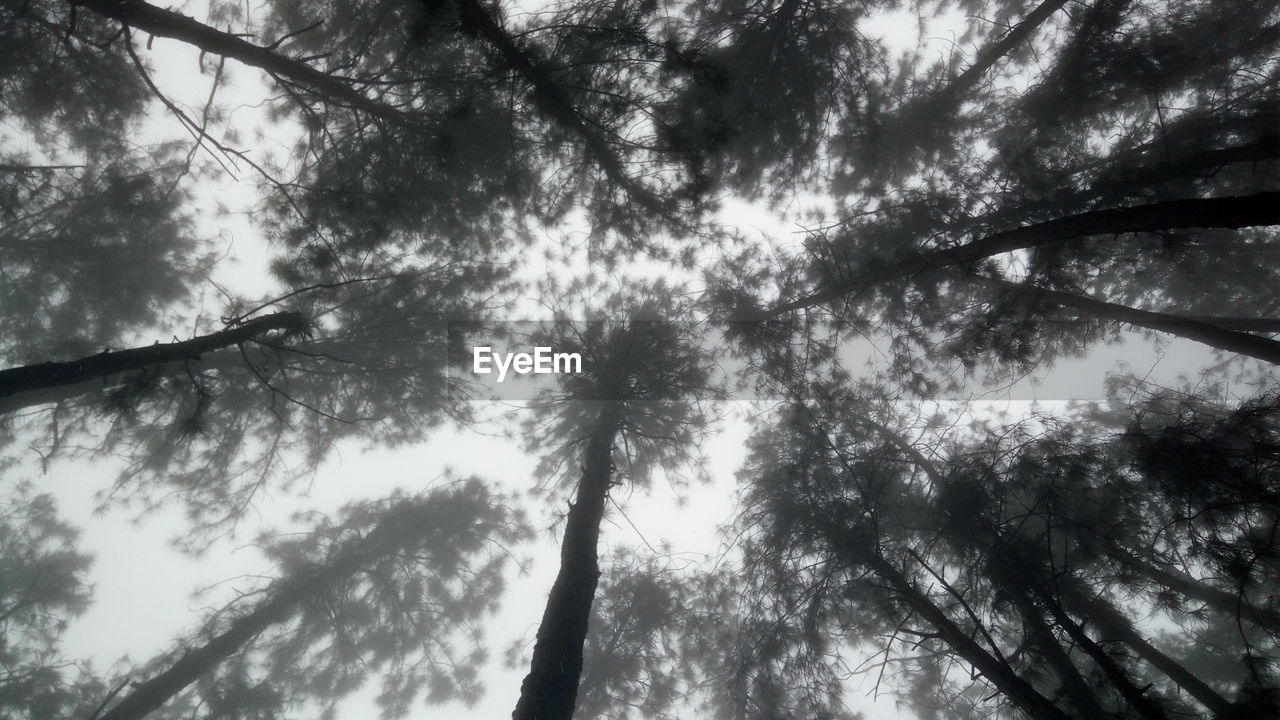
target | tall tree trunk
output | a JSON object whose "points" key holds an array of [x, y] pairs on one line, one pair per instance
{"points": [[998, 672], [1109, 619], [995, 669], [1228, 603], [1112, 623], [148, 696], [550, 690], [50, 375], [951, 95], [1134, 695], [1257, 210], [1077, 691]]}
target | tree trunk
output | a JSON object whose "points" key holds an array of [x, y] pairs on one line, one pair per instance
{"points": [[50, 375], [148, 696], [951, 95], [995, 669], [1228, 603], [1135, 696], [1020, 692], [1114, 624], [1077, 691], [1257, 210], [550, 690], [1109, 619]]}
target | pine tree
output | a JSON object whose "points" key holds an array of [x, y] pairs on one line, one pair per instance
{"points": [[635, 408]]}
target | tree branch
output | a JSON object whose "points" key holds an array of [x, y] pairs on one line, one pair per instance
{"points": [[551, 99], [1234, 341], [1257, 210], [49, 375], [169, 24]]}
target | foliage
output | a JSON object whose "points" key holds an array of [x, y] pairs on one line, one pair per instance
{"points": [[1012, 545], [395, 588], [1060, 171], [45, 586], [645, 363]]}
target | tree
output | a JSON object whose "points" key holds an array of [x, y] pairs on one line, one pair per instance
{"points": [[1063, 170], [1008, 231], [45, 584], [667, 638], [1012, 550], [100, 253], [394, 584], [637, 398], [413, 160]]}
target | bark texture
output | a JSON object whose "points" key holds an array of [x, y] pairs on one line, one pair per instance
{"points": [[550, 690]]}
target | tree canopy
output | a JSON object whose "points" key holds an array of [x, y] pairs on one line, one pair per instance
{"points": [[240, 244]]}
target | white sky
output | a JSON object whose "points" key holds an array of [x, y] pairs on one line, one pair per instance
{"points": [[143, 588]]}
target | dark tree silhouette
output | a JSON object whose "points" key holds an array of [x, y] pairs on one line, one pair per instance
{"points": [[638, 397], [100, 367], [1057, 173], [1013, 550], [1167, 217]]}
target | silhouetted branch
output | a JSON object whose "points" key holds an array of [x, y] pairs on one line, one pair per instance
{"points": [[54, 374], [167, 23], [1257, 210], [551, 99], [1191, 329]]}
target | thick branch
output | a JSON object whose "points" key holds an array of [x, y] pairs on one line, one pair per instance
{"points": [[1115, 625], [1077, 690], [1257, 210], [170, 24], [1135, 696], [992, 54], [148, 696], [44, 376], [394, 531], [1191, 329], [1222, 601], [1020, 692]]}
